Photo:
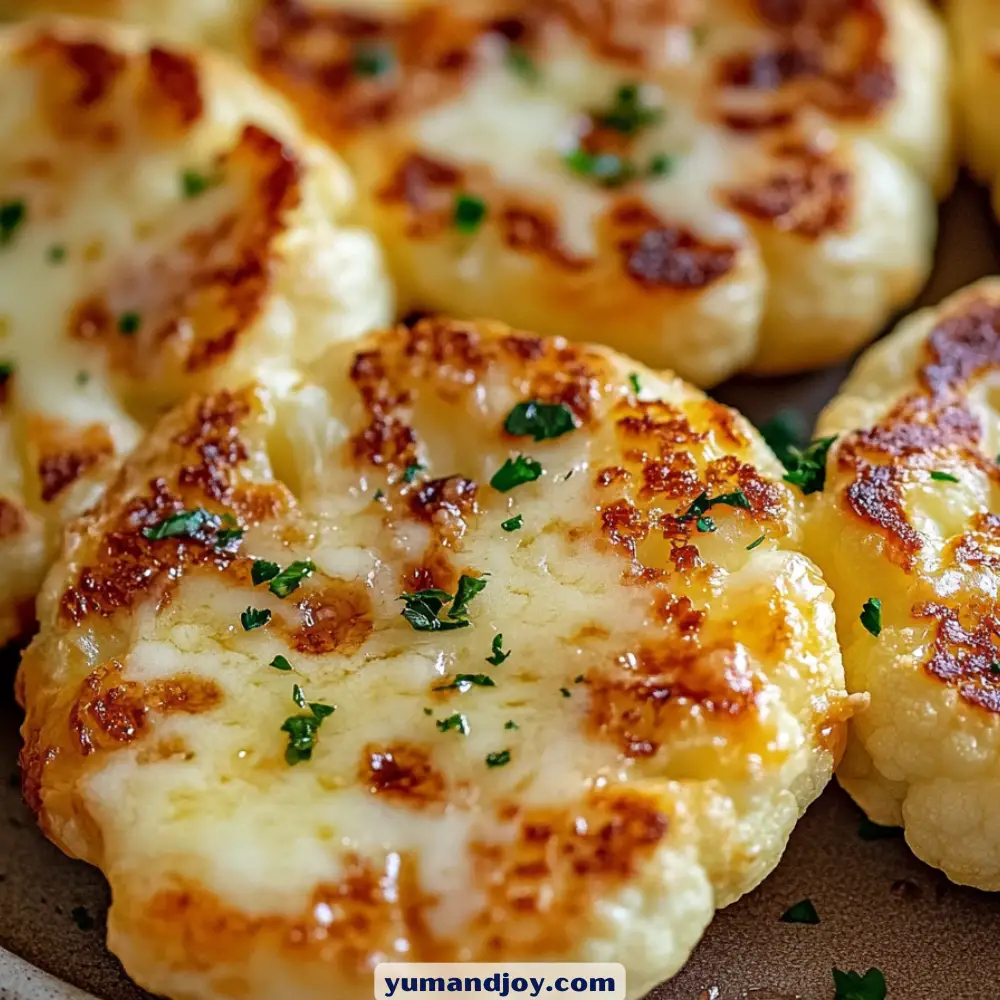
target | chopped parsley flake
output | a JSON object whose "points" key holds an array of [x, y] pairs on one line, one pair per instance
{"points": [[468, 213], [498, 655], [755, 543], [943, 477], [12, 215], [867, 830], [194, 183], [854, 986], [423, 607], [428, 711], [579, 679], [633, 380], [412, 471], [514, 523], [183, 524], [995, 667], [520, 62], [784, 431], [565, 692], [373, 60], [82, 378], [129, 323], [807, 466], [802, 912], [262, 571], [299, 696], [701, 504], [56, 253], [289, 579], [255, 618], [871, 615], [379, 494], [540, 420], [303, 729], [280, 663], [511, 724], [705, 524], [627, 113], [465, 682], [230, 532], [6, 370], [516, 472], [498, 759], [662, 165], [456, 721], [607, 169]]}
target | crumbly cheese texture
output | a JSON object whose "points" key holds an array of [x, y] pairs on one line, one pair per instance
{"points": [[907, 517], [765, 199], [164, 228], [644, 695]]}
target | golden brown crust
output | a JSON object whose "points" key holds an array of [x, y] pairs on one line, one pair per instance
{"points": [[403, 773], [61, 452]]}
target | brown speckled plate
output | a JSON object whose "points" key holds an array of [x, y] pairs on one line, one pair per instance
{"points": [[878, 906]]}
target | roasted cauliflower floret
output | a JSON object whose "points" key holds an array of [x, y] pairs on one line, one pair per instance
{"points": [[474, 646], [163, 229], [907, 518], [711, 185]]}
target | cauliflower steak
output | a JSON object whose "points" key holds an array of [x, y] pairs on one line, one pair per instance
{"points": [[474, 646], [163, 229]]}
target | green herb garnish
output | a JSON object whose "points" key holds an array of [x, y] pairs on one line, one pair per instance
{"points": [[6, 370], [183, 524], [262, 571], [290, 578], [498, 759], [511, 724], [513, 523], [565, 692], [661, 165], [807, 466], [468, 588], [230, 532], [303, 729], [516, 472], [783, 432], [871, 615], [82, 378], [854, 986], [705, 524], [194, 183], [12, 215], [703, 502], [540, 420], [412, 471], [944, 477], [128, 323], [423, 607], [456, 721], [755, 543], [633, 380], [280, 663], [498, 655], [255, 618], [465, 682], [468, 213], [627, 114], [607, 169], [802, 912], [56, 253], [520, 62], [373, 60]]}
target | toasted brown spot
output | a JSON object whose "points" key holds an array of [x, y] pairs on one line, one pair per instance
{"points": [[13, 519], [535, 230], [447, 504], [806, 193], [966, 651], [93, 69], [435, 570], [200, 297], [337, 618], [968, 549], [111, 711], [402, 773], [33, 760], [63, 452], [175, 82]]}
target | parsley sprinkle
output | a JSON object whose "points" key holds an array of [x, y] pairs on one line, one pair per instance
{"points": [[303, 729], [468, 588], [456, 721], [262, 571], [515, 473], [606, 169], [995, 667], [498, 654], [807, 466], [518, 61], [254, 618], [755, 543], [232, 532], [701, 504], [627, 114], [540, 420], [411, 472], [633, 381], [428, 711], [183, 524], [465, 682], [289, 579], [867, 830], [871, 616], [511, 724], [468, 213], [565, 692], [944, 477], [513, 524], [12, 215], [783, 432], [705, 524], [854, 986], [55, 254], [6, 370], [379, 494], [128, 323], [280, 663], [802, 912], [579, 679], [373, 60], [498, 759], [662, 165], [299, 696], [423, 607], [194, 184], [82, 378]]}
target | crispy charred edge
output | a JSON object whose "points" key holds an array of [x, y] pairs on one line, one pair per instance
{"points": [[806, 193], [966, 657], [83, 76], [402, 773], [223, 272], [450, 358], [832, 56], [652, 253], [125, 566], [933, 421], [659, 466], [62, 453], [310, 52], [332, 616]]}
